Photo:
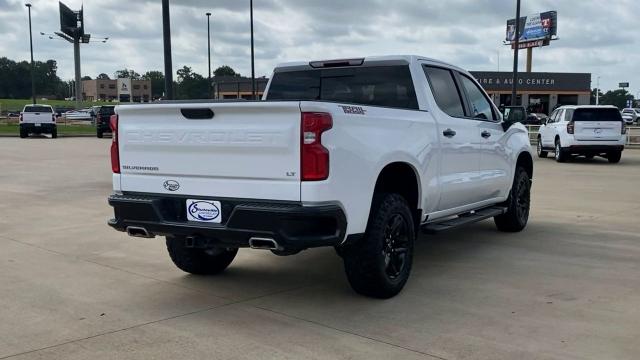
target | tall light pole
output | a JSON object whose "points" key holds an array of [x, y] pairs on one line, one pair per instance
{"points": [[598, 90], [515, 56], [33, 70], [168, 66], [253, 60], [209, 47]]}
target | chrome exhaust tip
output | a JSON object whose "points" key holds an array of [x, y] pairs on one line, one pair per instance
{"points": [[263, 244], [140, 232]]}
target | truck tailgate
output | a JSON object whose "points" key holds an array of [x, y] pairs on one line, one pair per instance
{"points": [[246, 150]]}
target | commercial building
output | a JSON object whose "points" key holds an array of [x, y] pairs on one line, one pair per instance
{"points": [[540, 92], [234, 87], [124, 90]]}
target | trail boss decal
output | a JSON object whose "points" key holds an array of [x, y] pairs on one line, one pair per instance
{"points": [[353, 110]]}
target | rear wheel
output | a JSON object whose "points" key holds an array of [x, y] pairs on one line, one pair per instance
{"points": [[54, 133], [99, 134], [379, 264], [23, 133], [517, 215], [614, 156], [199, 261], [541, 153], [560, 155]]}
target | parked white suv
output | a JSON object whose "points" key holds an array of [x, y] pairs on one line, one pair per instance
{"points": [[583, 130], [358, 154], [633, 115]]}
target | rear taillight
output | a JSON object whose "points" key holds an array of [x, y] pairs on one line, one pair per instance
{"points": [[115, 154], [314, 158], [21, 118], [53, 117], [570, 127]]}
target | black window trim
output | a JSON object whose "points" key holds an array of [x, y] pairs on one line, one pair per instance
{"points": [[464, 107], [467, 101]]}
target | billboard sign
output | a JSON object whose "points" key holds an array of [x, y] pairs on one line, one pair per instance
{"points": [[623, 85], [71, 22], [541, 26]]}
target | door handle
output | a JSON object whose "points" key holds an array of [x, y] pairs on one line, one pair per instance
{"points": [[449, 133], [485, 134]]}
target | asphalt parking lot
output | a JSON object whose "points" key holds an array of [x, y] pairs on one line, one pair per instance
{"points": [[568, 287]]}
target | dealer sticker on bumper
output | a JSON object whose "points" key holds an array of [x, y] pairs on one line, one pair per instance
{"points": [[204, 211]]}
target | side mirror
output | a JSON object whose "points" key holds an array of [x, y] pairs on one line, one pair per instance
{"points": [[543, 121]]}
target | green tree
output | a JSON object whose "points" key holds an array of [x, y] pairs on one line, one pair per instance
{"points": [[225, 70], [191, 85], [616, 98], [126, 73], [86, 77], [103, 76], [157, 82]]}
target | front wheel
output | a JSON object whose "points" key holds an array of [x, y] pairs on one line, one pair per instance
{"points": [[379, 264], [614, 157], [198, 261], [518, 204], [541, 153]]}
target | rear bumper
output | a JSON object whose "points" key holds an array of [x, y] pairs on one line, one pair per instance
{"points": [[293, 226], [593, 148], [43, 128]]}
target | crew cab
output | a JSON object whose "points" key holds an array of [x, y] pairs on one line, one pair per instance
{"points": [[356, 154], [103, 117], [583, 130], [38, 119]]}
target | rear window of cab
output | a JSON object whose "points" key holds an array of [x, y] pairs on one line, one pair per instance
{"points": [[38, 109]]}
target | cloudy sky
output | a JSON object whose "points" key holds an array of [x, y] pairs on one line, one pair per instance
{"points": [[599, 37]]}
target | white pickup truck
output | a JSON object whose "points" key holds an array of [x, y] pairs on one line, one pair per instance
{"points": [[38, 119], [358, 154]]}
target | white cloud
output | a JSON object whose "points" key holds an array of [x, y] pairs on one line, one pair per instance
{"points": [[594, 37]]}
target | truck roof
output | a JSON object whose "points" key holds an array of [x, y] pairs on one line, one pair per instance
{"points": [[369, 59]]}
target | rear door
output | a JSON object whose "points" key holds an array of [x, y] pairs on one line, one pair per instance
{"points": [[224, 150], [460, 143], [596, 124]]}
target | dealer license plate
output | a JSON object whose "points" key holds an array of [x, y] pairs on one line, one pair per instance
{"points": [[204, 211]]}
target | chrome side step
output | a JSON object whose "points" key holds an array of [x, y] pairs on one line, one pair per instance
{"points": [[463, 219]]}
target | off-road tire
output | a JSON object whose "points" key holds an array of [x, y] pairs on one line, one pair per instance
{"points": [[614, 156], [54, 133], [541, 153], [517, 215], [23, 133], [559, 154], [199, 261], [379, 264]]}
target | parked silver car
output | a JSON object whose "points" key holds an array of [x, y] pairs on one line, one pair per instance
{"points": [[631, 116]]}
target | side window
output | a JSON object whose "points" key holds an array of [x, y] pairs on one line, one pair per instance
{"points": [[568, 115], [554, 116], [480, 106], [445, 91]]}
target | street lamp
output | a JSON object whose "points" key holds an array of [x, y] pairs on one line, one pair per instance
{"points": [[33, 81], [253, 60], [209, 47]]}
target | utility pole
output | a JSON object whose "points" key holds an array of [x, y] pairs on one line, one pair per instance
{"points": [[76, 59], [33, 70], [598, 90], [168, 66], [253, 60], [209, 47], [515, 57]]}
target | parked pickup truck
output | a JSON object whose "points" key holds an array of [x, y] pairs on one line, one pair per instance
{"points": [[357, 154], [38, 119]]}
